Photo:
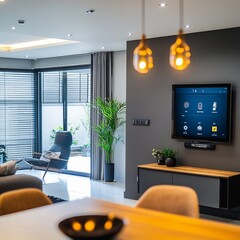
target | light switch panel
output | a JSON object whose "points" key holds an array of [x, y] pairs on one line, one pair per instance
{"points": [[141, 122]]}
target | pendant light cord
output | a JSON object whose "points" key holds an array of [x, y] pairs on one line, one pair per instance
{"points": [[181, 14], [143, 17]]}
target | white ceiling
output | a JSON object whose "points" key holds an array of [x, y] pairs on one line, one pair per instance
{"points": [[108, 26]]}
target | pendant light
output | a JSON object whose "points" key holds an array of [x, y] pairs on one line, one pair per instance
{"points": [[142, 55], [179, 58]]}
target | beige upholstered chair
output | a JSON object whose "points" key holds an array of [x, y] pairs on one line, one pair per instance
{"points": [[172, 199], [22, 199]]}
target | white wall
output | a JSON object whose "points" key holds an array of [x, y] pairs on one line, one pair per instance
{"points": [[119, 92], [75, 60], [13, 63]]}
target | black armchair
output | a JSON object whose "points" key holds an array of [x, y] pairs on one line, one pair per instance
{"points": [[62, 145]]}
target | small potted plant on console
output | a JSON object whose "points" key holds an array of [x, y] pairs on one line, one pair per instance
{"points": [[158, 155], [165, 156], [170, 156]]}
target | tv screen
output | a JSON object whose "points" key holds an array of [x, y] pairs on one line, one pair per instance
{"points": [[202, 112]]}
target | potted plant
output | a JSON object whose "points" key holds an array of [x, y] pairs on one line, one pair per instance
{"points": [[110, 110], [165, 156], [3, 155], [156, 153]]}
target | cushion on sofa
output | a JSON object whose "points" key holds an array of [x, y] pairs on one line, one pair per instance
{"points": [[8, 168], [47, 155], [3, 170]]}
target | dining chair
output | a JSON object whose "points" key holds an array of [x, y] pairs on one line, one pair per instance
{"points": [[171, 199], [22, 199]]}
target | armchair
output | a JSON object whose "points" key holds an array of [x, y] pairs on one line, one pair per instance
{"points": [[62, 144]]}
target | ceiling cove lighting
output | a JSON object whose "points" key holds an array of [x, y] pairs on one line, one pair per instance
{"points": [[179, 58], [34, 44], [142, 55]]}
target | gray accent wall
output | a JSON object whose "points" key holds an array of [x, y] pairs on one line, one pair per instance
{"points": [[215, 59]]}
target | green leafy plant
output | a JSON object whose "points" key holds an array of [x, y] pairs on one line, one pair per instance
{"points": [[110, 110], [156, 153], [86, 120], [71, 128], [168, 152], [165, 152], [3, 154]]}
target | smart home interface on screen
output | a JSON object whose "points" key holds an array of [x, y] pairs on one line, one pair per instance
{"points": [[201, 112]]}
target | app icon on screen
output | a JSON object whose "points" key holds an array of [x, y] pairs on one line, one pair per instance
{"points": [[186, 104], [214, 108], [214, 128], [200, 106]]}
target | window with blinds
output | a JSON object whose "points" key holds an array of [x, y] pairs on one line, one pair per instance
{"points": [[17, 113], [78, 86]]}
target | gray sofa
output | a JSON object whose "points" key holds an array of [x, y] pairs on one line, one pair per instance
{"points": [[18, 181]]}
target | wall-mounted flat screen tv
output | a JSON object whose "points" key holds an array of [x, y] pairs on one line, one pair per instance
{"points": [[202, 112]]}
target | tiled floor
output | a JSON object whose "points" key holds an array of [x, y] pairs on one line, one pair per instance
{"points": [[71, 187]]}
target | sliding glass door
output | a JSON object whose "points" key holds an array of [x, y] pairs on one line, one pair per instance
{"points": [[65, 97]]}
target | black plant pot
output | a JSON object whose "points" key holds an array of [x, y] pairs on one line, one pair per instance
{"points": [[161, 161], [109, 172], [170, 162]]}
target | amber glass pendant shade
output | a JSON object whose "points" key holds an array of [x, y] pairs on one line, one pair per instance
{"points": [[142, 57], [180, 53]]}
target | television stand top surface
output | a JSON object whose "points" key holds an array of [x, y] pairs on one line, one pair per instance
{"points": [[191, 170]]}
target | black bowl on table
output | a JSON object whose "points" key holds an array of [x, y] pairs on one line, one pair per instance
{"points": [[91, 226]]}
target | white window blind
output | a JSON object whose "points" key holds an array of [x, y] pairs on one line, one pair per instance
{"points": [[78, 86], [17, 113]]}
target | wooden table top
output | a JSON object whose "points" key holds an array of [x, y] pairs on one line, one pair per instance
{"points": [[191, 170], [141, 224]]}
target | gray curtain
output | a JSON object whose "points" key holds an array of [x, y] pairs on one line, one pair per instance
{"points": [[101, 67]]}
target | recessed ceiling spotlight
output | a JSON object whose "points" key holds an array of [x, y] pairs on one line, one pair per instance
{"points": [[21, 22], [13, 28], [187, 26], [103, 47], [26, 56], [130, 34], [162, 4], [90, 11], [69, 35]]}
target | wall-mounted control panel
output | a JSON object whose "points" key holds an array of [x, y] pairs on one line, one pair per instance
{"points": [[141, 122]]}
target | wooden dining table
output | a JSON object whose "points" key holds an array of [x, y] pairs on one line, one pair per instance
{"points": [[140, 224]]}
